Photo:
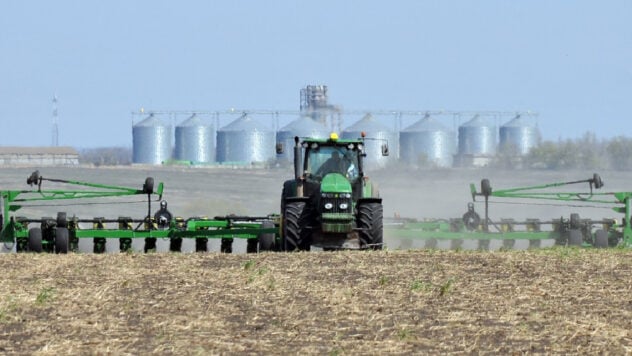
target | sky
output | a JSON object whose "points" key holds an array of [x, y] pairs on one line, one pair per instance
{"points": [[568, 61]]}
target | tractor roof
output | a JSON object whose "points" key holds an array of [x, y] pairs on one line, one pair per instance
{"points": [[331, 140]]}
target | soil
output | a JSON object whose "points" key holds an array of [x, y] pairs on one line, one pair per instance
{"points": [[554, 301]]}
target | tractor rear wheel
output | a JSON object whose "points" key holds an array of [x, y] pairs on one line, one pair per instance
{"points": [[294, 236], [575, 237], [62, 240], [35, 240], [370, 216], [601, 239]]}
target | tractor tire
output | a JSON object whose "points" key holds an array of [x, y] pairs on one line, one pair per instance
{"points": [[370, 224], [62, 240], [575, 237], [35, 240], [294, 236], [601, 239], [267, 240]]}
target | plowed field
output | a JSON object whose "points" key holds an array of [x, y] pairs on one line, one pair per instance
{"points": [[555, 301]]}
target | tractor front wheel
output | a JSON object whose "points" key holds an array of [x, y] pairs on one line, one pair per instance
{"points": [[370, 216]]}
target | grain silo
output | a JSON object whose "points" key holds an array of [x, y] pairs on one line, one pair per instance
{"points": [[195, 141], [151, 141], [246, 140], [427, 142], [518, 136], [477, 142], [304, 126], [376, 136]]}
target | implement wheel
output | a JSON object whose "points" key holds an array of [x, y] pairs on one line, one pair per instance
{"points": [[35, 240], [267, 240], [575, 237], [62, 240], [601, 239], [575, 222], [370, 216]]}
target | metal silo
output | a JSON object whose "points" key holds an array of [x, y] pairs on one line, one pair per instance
{"points": [[518, 136], [427, 140], [373, 148], [245, 140], [304, 126], [195, 141], [151, 141], [477, 137]]}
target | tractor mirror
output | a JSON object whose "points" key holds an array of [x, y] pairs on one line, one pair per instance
{"points": [[385, 149], [279, 148]]}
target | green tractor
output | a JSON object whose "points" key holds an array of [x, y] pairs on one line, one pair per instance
{"points": [[330, 203]]}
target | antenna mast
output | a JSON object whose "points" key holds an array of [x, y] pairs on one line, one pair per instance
{"points": [[55, 128]]}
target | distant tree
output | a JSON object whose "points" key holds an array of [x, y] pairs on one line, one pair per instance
{"points": [[619, 151], [106, 156]]}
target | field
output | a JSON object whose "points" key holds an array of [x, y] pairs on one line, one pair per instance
{"points": [[395, 301], [389, 302]]}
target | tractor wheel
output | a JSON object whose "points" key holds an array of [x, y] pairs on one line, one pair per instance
{"points": [[575, 237], [35, 240], [601, 239], [370, 216], [62, 240], [267, 240], [293, 223], [575, 221]]}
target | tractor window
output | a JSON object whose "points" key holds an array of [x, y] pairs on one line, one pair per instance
{"points": [[337, 159]]}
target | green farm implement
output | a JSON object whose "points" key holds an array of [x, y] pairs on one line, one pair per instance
{"points": [[476, 232], [62, 234]]}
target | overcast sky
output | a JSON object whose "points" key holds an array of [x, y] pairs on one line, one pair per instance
{"points": [[570, 61]]}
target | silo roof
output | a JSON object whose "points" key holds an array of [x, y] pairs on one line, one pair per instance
{"points": [[304, 123], [246, 123], [518, 121], [367, 124], [193, 121], [151, 121], [426, 124], [477, 121]]}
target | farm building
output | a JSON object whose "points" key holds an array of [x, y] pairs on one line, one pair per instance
{"points": [[44, 156]]}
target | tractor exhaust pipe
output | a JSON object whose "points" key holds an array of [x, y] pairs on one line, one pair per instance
{"points": [[297, 167]]}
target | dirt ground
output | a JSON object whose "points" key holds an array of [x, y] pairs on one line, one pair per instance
{"points": [[557, 301]]}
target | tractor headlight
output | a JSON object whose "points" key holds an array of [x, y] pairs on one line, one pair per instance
{"points": [[344, 206], [345, 195], [329, 206]]}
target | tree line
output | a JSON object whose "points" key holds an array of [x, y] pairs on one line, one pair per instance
{"points": [[586, 152]]}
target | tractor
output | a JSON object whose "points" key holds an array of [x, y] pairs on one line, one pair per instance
{"points": [[330, 203]]}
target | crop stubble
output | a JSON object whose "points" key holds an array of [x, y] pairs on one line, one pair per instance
{"points": [[548, 301]]}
